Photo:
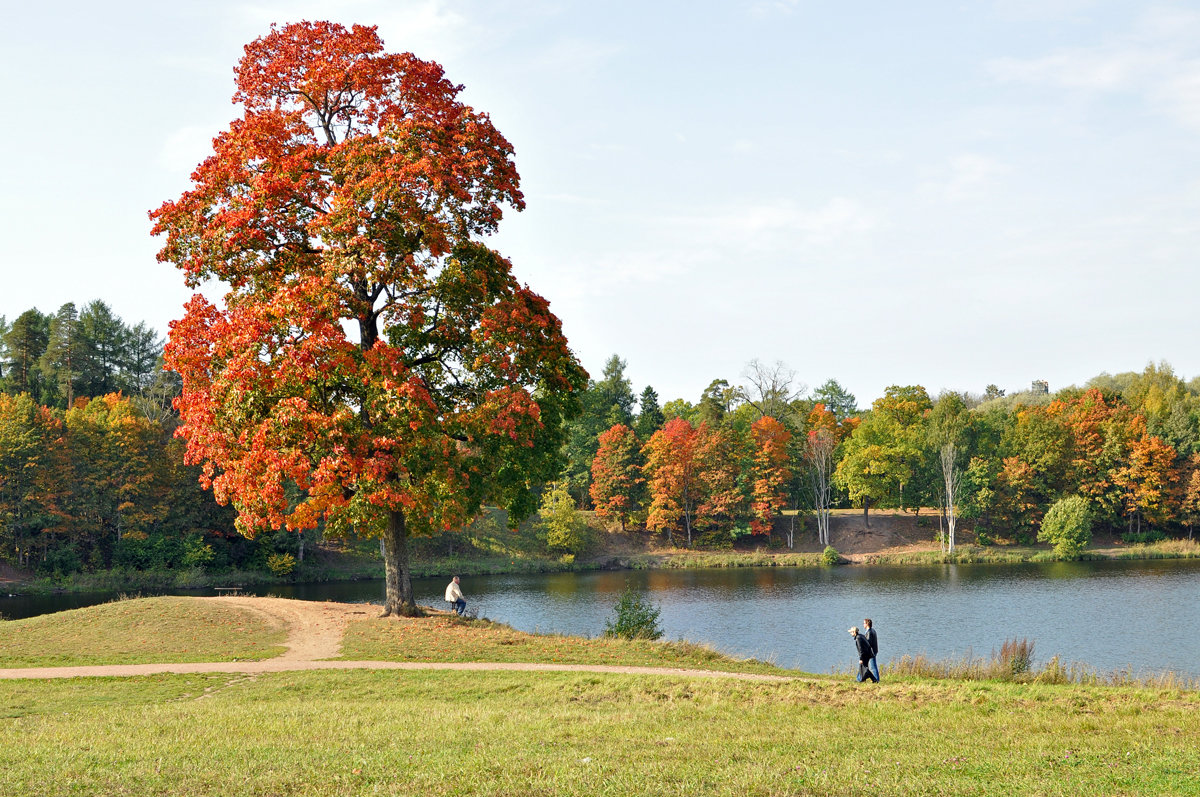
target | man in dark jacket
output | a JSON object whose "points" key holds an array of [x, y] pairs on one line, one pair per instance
{"points": [[873, 641], [864, 655]]}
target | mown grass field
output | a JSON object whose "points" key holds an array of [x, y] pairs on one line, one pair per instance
{"points": [[545, 733], [448, 639], [137, 631], [504, 733]]}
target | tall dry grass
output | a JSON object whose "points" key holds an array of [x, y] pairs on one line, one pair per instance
{"points": [[1165, 549], [1014, 662]]}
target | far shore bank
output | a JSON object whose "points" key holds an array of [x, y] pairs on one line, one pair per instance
{"points": [[13, 582]]}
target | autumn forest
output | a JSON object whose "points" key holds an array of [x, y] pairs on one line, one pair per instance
{"points": [[92, 476]]}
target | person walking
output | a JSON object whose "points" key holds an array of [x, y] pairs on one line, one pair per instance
{"points": [[864, 656], [454, 596], [873, 641]]}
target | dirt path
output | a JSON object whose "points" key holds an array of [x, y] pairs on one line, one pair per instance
{"points": [[315, 634], [315, 628]]}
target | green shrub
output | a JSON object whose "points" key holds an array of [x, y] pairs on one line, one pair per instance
{"points": [[1142, 537], [1068, 526], [830, 556], [196, 552], [634, 617], [713, 539], [564, 529], [281, 564], [60, 561]]}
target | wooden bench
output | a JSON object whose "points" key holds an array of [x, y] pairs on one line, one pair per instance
{"points": [[227, 590]]}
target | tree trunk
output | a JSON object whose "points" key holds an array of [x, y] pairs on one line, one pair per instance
{"points": [[866, 518], [398, 595]]}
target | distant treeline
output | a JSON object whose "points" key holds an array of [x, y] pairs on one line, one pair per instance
{"points": [[78, 354], [727, 465], [91, 476]]}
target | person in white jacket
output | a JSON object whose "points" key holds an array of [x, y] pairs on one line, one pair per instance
{"points": [[454, 595]]}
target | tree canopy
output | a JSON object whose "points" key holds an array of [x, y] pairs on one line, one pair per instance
{"points": [[370, 350]]}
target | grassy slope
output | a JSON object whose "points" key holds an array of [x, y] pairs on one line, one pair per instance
{"points": [[136, 631], [451, 639], [454, 733]]}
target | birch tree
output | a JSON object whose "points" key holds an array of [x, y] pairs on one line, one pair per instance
{"points": [[948, 423]]}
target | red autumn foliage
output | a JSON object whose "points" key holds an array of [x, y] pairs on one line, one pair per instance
{"points": [[368, 350], [617, 478], [671, 477], [720, 456], [770, 473]]}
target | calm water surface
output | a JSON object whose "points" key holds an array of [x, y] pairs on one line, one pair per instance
{"points": [[1110, 615]]}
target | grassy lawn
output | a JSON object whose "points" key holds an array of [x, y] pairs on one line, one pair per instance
{"points": [[451, 639], [504, 733], [138, 631], [537, 733]]}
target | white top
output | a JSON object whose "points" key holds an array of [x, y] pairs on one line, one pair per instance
{"points": [[453, 592]]}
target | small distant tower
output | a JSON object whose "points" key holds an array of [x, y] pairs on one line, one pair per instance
{"points": [[1040, 386]]}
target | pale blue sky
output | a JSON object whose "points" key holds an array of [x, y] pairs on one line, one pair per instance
{"points": [[941, 193]]}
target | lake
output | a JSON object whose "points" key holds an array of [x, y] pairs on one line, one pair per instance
{"points": [[1110, 615]]}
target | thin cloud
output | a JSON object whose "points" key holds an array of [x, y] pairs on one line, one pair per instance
{"points": [[770, 8], [967, 176], [576, 56], [1159, 60], [838, 218], [1092, 70], [1041, 10]]}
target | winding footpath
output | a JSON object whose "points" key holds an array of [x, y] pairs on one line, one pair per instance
{"points": [[315, 637]]}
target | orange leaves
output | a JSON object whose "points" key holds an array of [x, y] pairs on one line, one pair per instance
{"points": [[368, 357], [770, 472], [617, 479], [671, 475], [1149, 479]]}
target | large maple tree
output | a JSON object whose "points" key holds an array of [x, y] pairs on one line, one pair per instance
{"points": [[373, 366]]}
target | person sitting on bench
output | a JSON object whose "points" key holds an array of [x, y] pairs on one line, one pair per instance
{"points": [[454, 596]]}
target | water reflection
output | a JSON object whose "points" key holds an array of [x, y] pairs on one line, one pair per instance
{"points": [[1109, 614]]}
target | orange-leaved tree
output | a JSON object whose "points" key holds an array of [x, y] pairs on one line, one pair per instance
{"points": [[771, 473], [1149, 479], [671, 477], [720, 464], [369, 351], [617, 480]]}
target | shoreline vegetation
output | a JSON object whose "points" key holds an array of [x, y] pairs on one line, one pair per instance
{"points": [[351, 566]]}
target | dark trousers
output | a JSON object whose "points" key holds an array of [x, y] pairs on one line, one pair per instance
{"points": [[865, 674]]}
